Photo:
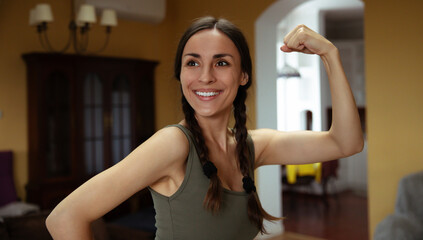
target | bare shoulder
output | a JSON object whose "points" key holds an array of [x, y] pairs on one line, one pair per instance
{"points": [[167, 149], [263, 135], [172, 140], [157, 158], [168, 146]]}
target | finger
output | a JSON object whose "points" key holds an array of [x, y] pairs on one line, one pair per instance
{"points": [[298, 41], [285, 48], [288, 36], [295, 42]]}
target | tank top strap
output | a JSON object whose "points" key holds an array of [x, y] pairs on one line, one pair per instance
{"points": [[187, 133]]}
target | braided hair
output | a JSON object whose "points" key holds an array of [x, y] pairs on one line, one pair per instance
{"points": [[213, 197]]}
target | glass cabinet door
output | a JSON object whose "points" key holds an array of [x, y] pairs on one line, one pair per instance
{"points": [[58, 125], [93, 124], [121, 118]]}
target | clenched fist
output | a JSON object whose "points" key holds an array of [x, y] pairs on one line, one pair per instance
{"points": [[303, 39]]}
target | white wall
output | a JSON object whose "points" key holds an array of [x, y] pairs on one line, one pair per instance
{"points": [[352, 170], [267, 36], [269, 177]]}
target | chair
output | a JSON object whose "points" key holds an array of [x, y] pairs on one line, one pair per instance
{"points": [[10, 205], [406, 222], [305, 175], [313, 169], [7, 185]]}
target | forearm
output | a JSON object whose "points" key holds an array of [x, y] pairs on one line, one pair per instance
{"points": [[346, 127]]}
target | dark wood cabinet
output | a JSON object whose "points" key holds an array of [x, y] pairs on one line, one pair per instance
{"points": [[85, 113]]}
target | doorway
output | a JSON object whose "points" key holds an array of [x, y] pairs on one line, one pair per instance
{"points": [[323, 16]]}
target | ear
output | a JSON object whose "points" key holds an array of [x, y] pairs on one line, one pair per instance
{"points": [[244, 79]]}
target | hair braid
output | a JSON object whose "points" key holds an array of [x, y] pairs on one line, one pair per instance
{"points": [[214, 193], [256, 213], [241, 131]]}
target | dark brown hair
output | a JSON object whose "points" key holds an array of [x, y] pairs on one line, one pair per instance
{"points": [[213, 198]]}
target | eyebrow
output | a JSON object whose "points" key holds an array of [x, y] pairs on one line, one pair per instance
{"points": [[219, 55]]}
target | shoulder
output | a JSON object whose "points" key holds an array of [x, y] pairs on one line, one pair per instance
{"points": [[158, 157], [170, 141], [263, 135], [165, 150]]}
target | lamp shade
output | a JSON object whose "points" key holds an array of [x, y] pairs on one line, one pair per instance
{"points": [[32, 20], [86, 14], [43, 13], [289, 72], [108, 18]]}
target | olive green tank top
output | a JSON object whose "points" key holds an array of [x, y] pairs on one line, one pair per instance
{"points": [[182, 215]]}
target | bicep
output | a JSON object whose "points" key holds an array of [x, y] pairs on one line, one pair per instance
{"points": [[148, 163], [299, 147]]}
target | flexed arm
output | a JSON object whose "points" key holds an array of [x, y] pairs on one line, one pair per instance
{"points": [[344, 138]]}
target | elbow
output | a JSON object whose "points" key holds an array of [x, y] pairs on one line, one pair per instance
{"points": [[49, 223], [358, 147], [58, 223], [53, 222], [347, 143], [353, 147], [68, 221]]}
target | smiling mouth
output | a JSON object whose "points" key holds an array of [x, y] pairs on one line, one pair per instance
{"points": [[207, 94]]}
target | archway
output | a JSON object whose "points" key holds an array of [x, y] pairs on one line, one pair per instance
{"points": [[266, 41]]}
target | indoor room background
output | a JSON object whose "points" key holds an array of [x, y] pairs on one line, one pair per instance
{"points": [[393, 37]]}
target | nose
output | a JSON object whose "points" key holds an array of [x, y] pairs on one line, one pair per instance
{"points": [[207, 76]]}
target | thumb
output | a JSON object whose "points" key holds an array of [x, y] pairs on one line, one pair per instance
{"points": [[285, 48]]}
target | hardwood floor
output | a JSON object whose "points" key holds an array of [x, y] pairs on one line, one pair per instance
{"points": [[344, 217], [294, 236]]}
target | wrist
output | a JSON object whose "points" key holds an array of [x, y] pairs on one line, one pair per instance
{"points": [[331, 53], [331, 59]]}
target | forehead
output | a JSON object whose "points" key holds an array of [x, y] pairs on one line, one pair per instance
{"points": [[210, 40]]}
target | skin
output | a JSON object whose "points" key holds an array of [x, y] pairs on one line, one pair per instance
{"points": [[210, 76]]}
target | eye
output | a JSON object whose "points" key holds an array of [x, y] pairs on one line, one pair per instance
{"points": [[222, 63], [192, 63]]}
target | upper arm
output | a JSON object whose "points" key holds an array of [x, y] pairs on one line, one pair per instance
{"points": [[300, 147], [149, 162]]}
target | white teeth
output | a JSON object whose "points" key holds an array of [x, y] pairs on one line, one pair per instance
{"points": [[207, 94]]}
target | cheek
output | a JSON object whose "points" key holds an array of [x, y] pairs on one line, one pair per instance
{"points": [[186, 80], [188, 76]]}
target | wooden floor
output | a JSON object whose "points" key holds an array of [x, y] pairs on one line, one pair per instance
{"points": [[343, 217], [294, 236]]}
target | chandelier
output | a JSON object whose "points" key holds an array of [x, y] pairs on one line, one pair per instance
{"points": [[79, 27]]}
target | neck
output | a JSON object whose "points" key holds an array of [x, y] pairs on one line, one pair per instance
{"points": [[215, 129]]}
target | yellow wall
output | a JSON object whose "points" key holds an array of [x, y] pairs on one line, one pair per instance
{"points": [[394, 58], [130, 39], [394, 84]]}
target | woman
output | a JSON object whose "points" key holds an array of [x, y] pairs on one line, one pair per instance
{"points": [[200, 172]]}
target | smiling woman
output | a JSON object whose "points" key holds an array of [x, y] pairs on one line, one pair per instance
{"points": [[213, 57], [201, 172], [211, 73]]}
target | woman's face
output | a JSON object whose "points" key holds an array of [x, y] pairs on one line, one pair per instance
{"points": [[211, 73]]}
